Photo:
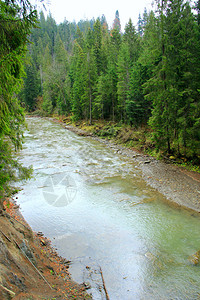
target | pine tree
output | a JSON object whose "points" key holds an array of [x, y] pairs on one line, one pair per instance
{"points": [[123, 71], [111, 99], [183, 52], [157, 87], [172, 86], [100, 109], [30, 87], [47, 70], [137, 107], [90, 84], [51, 30], [145, 18], [17, 19], [133, 41], [80, 38], [98, 45], [117, 23], [78, 79], [140, 25], [103, 21]]}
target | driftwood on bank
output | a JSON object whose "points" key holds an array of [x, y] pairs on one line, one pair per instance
{"points": [[104, 285], [5, 236], [11, 293], [18, 246]]}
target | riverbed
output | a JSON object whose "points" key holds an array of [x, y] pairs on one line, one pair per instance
{"points": [[99, 212]]}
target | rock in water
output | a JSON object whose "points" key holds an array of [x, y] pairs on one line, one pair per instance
{"points": [[195, 258]]}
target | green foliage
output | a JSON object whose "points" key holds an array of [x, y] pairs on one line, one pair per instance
{"points": [[149, 76], [97, 36], [172, 87], [10, 169], [31, 87], [138, 108], [116, 23], [123, 84], [16, 21], [133, 41]]}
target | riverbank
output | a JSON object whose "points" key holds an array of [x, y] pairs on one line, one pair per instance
{"points": [[29, 267], [180, 186], [67, 141]]}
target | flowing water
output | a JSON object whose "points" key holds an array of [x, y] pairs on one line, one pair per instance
{"points": [[95, 207]]}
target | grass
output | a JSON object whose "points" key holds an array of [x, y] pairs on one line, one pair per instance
{"points": [[189, 166]]}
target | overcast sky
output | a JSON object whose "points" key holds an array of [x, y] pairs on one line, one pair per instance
{"points": [[87, 9]]}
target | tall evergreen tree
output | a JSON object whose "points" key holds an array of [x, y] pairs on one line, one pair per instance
{"points": [[98, 45], [16, 21], [117, 23], [140, 25], [90, 84], [138, 108], [123, 70], [30, 87], [78, 78], [171, 88], [133, 41]]}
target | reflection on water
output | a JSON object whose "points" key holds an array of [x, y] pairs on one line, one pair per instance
{"points": [[105, 215]]}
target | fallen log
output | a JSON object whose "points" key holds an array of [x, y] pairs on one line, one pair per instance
{"points": [[104, 285], [11, 293], [18, 246], [5, 236]]}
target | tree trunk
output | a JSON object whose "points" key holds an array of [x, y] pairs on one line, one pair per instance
{"points": [[41, 78], [90, 90], [113, 109], [168, 142]]}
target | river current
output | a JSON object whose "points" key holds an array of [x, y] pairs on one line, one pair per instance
{"points": [[98, 211]]}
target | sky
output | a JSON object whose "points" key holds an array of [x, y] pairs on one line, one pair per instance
{"points": [[87, 9]]}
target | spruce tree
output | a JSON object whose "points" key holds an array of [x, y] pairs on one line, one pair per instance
{"points": [[140, 25], [117, 23], [31, 87], [16, 21], [131, 38], [89, 84], [98, 45], [123, 71], [77, 81]]}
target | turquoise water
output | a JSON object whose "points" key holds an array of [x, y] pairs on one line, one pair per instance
{"points": [[98, 211]]}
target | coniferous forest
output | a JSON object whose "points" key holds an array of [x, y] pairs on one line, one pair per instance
{"points": [[116, 213], [17, 18], [146, 76]]}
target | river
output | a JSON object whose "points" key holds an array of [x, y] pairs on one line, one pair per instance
{"points": [[99, 212]]}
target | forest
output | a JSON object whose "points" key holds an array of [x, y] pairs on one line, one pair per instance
{"points": [[17, 18], [146, 76]]}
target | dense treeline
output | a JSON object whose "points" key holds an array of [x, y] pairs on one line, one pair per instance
{"points": [[16, 21], [147, 75]]}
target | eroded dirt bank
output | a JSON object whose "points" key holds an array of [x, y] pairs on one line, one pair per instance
{"points": [[29, 267], [180, 186]]}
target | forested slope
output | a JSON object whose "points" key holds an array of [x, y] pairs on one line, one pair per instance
{"points": [[146, 76], [16, 20]]}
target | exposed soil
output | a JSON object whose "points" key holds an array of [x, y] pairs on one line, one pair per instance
{"points": [[29, 267], [180, 186]]}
